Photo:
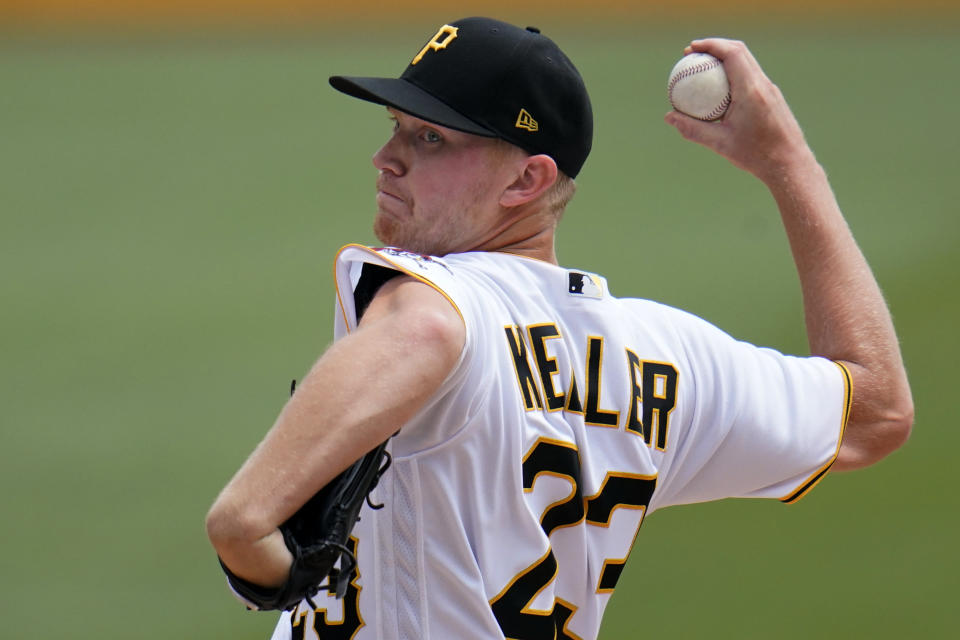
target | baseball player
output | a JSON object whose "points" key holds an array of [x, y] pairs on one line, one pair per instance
{"points": [[533, 418]]}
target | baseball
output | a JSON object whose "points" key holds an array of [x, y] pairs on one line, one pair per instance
{"points": [[698, 87]]}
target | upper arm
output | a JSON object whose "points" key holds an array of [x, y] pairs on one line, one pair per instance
{"points": [[371, 382], [749, 421], [418, 312]]}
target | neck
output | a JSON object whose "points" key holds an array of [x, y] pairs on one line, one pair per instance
{"points": [[530, 236], [538, 248]]}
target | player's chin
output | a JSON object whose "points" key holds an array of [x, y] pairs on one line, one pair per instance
{"points": [[388, 229], [391, 233]]}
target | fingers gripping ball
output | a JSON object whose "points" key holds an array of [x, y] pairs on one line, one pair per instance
{"points": [[698, 87]]}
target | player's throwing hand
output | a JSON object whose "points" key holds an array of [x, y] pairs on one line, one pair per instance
{"points": [[758, 133]]}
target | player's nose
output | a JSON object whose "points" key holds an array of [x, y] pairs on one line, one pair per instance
{"points": [[388, 158]]}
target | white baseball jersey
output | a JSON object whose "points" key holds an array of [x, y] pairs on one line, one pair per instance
{"points": [[516, 493]]}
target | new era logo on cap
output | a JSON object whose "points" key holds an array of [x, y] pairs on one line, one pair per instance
{"points": [[526, 121], [493, 79]]}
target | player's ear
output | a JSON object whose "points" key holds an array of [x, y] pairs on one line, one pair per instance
{"points": [[538, 173]]}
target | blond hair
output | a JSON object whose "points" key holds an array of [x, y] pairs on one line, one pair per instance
{"points": [[559, 195]]}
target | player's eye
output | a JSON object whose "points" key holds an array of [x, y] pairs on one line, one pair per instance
{"points": [[395, 124], [429, 135]]}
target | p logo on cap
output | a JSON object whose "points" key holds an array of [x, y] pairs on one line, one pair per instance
{"points": [[446, 32]]}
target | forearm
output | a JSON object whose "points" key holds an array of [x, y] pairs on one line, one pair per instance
{"points": [[265, 561], [846, 316]]}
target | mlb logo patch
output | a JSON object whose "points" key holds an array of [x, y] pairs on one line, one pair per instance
{"points": [[584, 284]]}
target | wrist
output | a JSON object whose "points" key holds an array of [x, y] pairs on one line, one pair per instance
{"points": [[785, 173]]}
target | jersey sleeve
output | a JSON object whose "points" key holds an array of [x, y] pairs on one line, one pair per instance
{"points": [[758, 423]]}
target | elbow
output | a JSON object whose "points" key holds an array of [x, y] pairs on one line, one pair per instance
{"points": [[896, 421], [892, 430], [892, 433], [881, 419], [230, 528], [902, 424], [220, 528], [867, 443]]}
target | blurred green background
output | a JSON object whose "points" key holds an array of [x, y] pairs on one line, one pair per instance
{"points": [[170, 205]]}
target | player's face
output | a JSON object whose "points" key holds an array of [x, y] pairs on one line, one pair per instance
{"points": [[438, 189]]}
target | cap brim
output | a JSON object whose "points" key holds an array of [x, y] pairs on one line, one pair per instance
{"points": [[407, 97]]}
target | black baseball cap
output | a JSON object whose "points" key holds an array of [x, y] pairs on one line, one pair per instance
{"points": [[492, 79]]}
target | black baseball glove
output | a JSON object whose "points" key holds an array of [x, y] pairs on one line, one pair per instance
{"points": [[317, 536]]}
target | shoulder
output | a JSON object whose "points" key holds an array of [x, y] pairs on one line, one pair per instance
{"points": [[407, 295], [406, 292], [417, 312], [362, 273]]}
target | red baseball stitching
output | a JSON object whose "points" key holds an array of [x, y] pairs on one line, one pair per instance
{"points": [[706, 65], [716, 113]]}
